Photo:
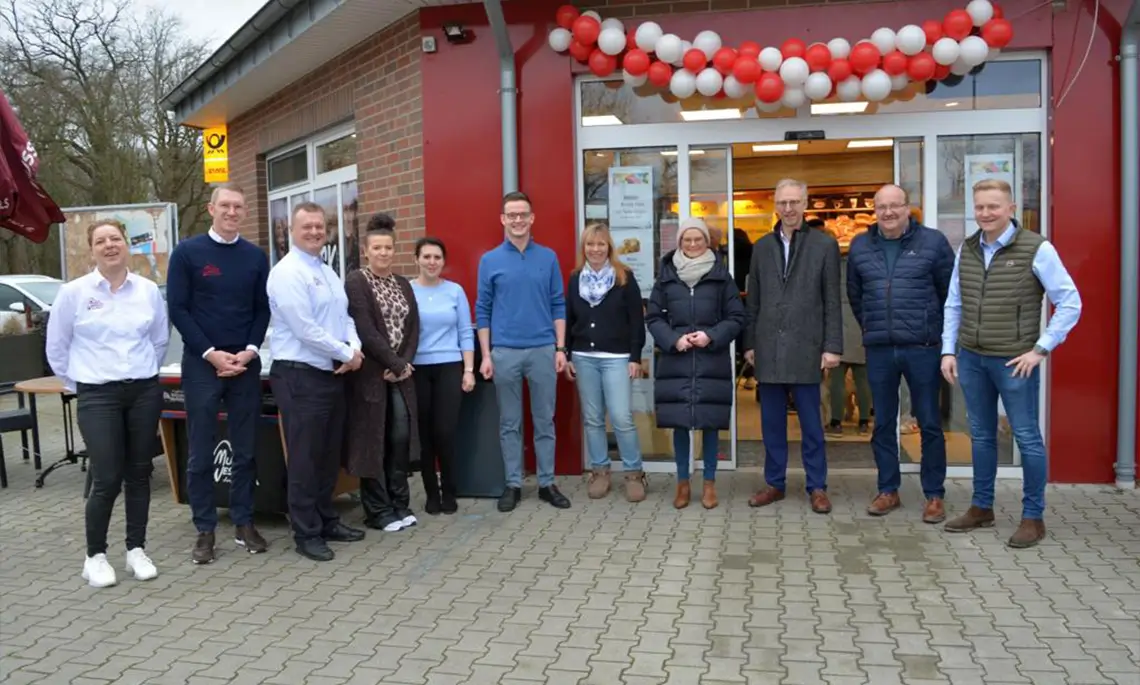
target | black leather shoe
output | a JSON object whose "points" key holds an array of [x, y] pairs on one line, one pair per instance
{"points": [[554, 497], [510, 499], [342, 533], [317, 550], [432, 506], [449, 505]]}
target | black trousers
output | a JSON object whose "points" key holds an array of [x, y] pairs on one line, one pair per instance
{"points": [[439, 394], [387, 499], [119, 425], [311, 403]]}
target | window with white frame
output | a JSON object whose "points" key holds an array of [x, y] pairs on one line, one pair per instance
{"points": [[321, 170]]}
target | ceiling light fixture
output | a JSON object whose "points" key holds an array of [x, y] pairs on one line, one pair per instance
{"points": [[882, 142], [710, 114], [673, 153], [601, 120], [840, 108], [776, 147]]}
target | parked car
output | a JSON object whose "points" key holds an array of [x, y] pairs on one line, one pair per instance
{"points": [[39, 291]]}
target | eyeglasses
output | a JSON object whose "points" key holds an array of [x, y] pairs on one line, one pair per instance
{"points": [[790, 204], [518, 216], [890, 208]]}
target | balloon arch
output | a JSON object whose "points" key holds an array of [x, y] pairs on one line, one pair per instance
{"points": [[793, 73]]}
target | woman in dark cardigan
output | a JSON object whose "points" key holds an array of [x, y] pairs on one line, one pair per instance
{"points": [[382, 431], [694, 315]]}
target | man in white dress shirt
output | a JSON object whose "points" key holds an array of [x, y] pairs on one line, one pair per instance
{"points": [[313, 342]]}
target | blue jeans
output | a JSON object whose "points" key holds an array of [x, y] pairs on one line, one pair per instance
{"points": [[604, 383], [536, 365], [774, 431], [985, 379], [710, 444], [205, 393], [887, 365]]}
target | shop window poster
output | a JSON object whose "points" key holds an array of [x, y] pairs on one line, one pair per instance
{"points": [[152, 231], [983, 167]]}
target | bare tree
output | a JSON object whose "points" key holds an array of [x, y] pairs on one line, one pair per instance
{"points": [[86, 77]]}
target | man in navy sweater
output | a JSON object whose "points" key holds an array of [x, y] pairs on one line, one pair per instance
{"points": [[216, 292]]}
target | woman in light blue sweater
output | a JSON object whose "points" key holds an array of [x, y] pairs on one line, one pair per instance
{"points": [[445, 369]]}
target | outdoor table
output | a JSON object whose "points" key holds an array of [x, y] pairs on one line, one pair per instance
{"points": [[51, 385]]}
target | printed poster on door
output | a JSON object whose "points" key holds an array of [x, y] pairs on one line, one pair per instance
{"points": [[980, 168], [631, 219]]}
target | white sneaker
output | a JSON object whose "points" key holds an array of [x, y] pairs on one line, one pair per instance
{"points": [[408, 521], [140, 564], [394, 526], [97, 571]]}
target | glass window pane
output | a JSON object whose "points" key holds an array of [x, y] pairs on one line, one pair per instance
{"points": [[327, 199], [634, 191], [909, 153], [279, 227], [289, 169], [614, 103], [350, 207], [336, 154]]}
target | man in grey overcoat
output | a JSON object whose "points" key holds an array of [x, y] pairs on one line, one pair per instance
{"points": [[795, 332]]}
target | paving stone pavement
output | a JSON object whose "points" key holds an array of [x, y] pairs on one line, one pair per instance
{"points": [[601, 594]]}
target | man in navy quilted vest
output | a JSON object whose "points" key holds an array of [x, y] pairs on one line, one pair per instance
{"points": [[898, 276]]}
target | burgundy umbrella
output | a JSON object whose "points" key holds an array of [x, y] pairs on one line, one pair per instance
{"points": [[25, 208]]}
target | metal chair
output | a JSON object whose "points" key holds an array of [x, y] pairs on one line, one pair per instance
{"points": [[12, 420]]}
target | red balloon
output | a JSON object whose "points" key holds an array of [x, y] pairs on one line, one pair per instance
{"points": [[587, 29], [941, 71], [864, 57], [895, 63], [997, 33], [694, 60], [793, 47], [839, 70], [630, 41], [921, 67], [602, 64], [750, 48], [660, 74], [957, 24], [566, 15], [818, 57], [723, 60], [998, 13], [636, 62], [933, 31], [580, 52], [770, 87], [747, 69]]}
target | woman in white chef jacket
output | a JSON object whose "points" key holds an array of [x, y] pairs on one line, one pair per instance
{"points": [[106, 337]]}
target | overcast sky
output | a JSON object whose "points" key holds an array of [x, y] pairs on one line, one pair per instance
{"points": [[212, 21]]}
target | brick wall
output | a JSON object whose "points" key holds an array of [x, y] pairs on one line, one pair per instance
{"points": [[376, 84], [630, 8]]}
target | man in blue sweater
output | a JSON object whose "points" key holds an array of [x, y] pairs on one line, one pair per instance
{"points": [[520, 314], [898, 276], [216, 292]]}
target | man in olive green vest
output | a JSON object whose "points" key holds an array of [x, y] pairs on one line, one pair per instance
{"points": [[992, 343]]}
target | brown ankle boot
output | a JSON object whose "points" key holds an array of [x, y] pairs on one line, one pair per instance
{"points": [[708, 497], [1028, 534], [635, 484], [683, 495], [599, 484]]}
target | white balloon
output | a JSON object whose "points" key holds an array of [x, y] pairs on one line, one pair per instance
{"points": [[980, 11], [961, 67], [647, 36], [945, 51], [818, 86], [849, 89], [708, 42], [794, 71], [910, 40], [683, 84], [611, 41], [884, 39], [769, 106], [634, 80], [899, 82], [735, 89], [668, 48], [876, 85], [840, 48], [685, 47], [592, 13], [560, 39], [709, 82], [771, 58], [973, 50], [613, 23], [793, 98]]}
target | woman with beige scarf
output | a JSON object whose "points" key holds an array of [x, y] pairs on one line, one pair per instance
{"points": [[694, 315]]}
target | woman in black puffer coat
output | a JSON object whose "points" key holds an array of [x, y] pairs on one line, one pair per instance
{"points": [[694, 315]]}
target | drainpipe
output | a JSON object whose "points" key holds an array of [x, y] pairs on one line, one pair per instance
{"points": [[507, 95], [1129, 249]]}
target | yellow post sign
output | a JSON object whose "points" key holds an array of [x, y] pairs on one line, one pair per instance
{"points": [[215, 146]]}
